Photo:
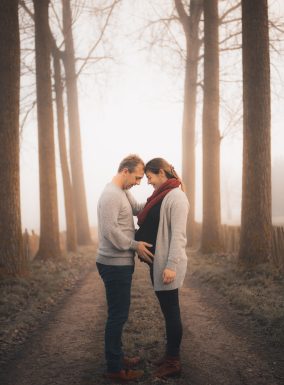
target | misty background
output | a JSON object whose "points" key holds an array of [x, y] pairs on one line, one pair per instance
{"points": [[131, 101]]}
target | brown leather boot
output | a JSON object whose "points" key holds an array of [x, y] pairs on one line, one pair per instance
{"points": [[171, 367], [124, 375], [160, 360], [130, 362]]}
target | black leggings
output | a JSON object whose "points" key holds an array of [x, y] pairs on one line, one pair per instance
{"points": [[169, 303]]}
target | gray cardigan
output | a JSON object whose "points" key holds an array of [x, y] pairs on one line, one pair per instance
{"points": [[171, 240]]}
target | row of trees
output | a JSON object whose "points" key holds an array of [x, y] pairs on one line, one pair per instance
{"points": [[202, 46], [256, 222], [201, 22], [65, 77]]}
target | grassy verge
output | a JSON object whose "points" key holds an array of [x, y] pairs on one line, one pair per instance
{"points": [[258, 294], [25, 301]]}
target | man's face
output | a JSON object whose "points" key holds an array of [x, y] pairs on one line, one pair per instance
{"points": [[133, 178]]}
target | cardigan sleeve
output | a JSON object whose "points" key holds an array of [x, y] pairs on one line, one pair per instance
{"points": [[178, 219]]}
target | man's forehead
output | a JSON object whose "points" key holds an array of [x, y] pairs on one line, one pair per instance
{"points": [[139, 171], [139, 174]]}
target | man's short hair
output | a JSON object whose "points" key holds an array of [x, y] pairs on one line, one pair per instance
{"points": [[130, 162]]}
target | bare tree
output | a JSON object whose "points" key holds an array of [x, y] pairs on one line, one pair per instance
{"points": [[69, 60], [190, 23], [256, 227], [71, 237], [83, 230], [49, 229], [192, 27], [210, 238], [12, 260], [59, 54]]}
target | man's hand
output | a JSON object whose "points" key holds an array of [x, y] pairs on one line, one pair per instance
{"points": [[143, 252], [148, 260], [168, 276]]}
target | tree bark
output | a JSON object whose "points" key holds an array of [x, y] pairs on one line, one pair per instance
{"points": [[12, 259], [83, 230], [71, 241], [210, 237], [256, 222], [49, 229], [191, 28]]}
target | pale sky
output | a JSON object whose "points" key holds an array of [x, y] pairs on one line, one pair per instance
{"points": [[137, 108]]}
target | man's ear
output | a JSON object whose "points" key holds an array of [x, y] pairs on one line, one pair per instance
{"points": [[125, 171]]}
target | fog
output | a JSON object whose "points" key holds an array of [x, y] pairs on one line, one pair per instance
{"points": [[133, 104]]}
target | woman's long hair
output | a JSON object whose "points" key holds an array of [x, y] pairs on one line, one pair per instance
{"points": [[157, 164]]}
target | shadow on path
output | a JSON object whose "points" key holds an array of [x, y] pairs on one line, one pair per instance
{"points": [[67, 350], [216, 350]]}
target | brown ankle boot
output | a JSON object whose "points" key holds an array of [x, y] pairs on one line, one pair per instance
{"points": [[130, 362], [160, 360], [171, 367], [124, 375]]}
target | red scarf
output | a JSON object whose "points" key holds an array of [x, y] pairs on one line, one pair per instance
{"points": [[156, 197]]}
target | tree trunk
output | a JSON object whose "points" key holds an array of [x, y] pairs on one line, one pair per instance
{"points": [[83, 230], [256, 223], [191, 28], [12, 260], [49, 229], [210, 237], [71, 242]]}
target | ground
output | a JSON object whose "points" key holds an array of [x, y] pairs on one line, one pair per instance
{"points": [[220, 346]]}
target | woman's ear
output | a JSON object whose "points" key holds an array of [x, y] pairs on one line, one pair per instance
{"points": [[162, 172]]}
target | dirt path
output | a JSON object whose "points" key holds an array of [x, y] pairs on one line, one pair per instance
{"points": [[216, 350], [65, 350], [219, 345]]}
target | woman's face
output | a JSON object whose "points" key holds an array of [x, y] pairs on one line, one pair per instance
{"points": [[156, 180]]}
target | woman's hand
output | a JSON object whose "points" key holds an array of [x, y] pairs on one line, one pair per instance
{"points": [[168, 276]]}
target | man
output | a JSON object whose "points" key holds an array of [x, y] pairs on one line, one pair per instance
{"points": [[115, 261]]}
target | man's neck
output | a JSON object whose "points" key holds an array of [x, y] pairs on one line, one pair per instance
{"points": [[117, 180]]}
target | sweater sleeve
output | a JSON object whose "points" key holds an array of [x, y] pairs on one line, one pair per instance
{"points": [[108, 215], [136, 206], [178, 219]]}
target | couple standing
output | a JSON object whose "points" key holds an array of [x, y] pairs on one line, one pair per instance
{"points": [[160, 242]]}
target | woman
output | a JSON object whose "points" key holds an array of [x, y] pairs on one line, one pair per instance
{"points": [[162, 223]]}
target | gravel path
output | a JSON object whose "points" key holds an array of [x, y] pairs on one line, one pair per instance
{"points": [[63, 351], [219, 345], [216, 349]]}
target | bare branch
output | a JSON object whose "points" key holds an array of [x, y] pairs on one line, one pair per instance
{"points": [[234, 48], [100, 37], [183, 16], [165, 20], [57, 18], [26, 8], [238, 33], [221, 19], [237, 19], [93, 58], [175, 41], [201, 85], [279, 27], [26, 116]]}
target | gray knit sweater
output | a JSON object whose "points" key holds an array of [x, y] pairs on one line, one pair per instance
{"points": [[115, 210], [171, 240]]}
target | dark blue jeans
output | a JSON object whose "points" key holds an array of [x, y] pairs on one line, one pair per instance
{"points": [[117, 281], [169, 304]]}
